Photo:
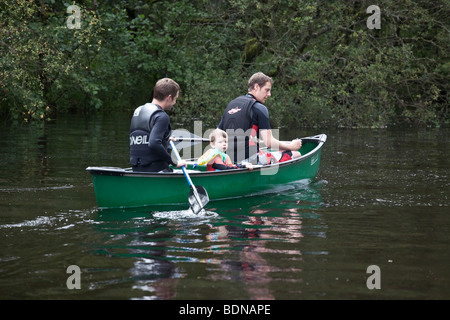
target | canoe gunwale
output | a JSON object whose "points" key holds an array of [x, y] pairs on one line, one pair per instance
{"points": [[116, 171]]}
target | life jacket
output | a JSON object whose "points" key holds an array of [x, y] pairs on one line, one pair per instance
{"points": [[140, 129], [210, 155], [266, 157], [237, 122]]}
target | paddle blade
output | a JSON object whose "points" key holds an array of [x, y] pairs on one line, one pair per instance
{"points": [[198, 204]]}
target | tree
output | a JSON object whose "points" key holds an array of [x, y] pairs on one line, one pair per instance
{"points": [[329, 68]]}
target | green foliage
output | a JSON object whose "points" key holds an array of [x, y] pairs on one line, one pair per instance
{"points": [[329, 68]]}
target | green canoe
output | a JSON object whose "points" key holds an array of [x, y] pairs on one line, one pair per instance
{"points": [[121, 188]]}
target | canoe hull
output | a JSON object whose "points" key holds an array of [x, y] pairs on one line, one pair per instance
{"points": [[116, 187]]}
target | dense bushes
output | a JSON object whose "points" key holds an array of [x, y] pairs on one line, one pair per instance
{"points": [[329, 67]]}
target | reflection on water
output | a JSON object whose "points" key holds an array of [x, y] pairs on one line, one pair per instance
{"points": [[249, 242], [381, 198]]}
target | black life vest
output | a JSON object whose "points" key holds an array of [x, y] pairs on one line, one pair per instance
{"points": [[140, 129], [237, 122]]}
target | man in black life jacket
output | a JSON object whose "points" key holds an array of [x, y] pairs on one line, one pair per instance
{"points": [[150, 130], [246, 119]]}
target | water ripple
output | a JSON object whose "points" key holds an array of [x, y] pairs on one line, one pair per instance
{"points": [[36, 189]]}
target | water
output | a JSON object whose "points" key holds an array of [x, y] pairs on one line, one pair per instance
{"points": [[381, 198]]}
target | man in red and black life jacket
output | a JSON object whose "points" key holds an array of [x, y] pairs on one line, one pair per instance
{"points": [[246, 120], [150, 130]]}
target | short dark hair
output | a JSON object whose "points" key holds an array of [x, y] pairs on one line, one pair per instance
{"points": [[165, 87], [258, 78]]}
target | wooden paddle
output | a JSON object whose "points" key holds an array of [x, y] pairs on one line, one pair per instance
{"points": [[198, 197]]}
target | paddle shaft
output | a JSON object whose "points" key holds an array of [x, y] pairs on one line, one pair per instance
{"points": [[186, 174], [191, 139], [185, 139]]}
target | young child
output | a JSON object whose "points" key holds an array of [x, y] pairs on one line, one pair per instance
{"points": [[216, 158]]}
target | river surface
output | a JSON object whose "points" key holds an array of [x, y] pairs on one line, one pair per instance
{"points": [[374, 224]]}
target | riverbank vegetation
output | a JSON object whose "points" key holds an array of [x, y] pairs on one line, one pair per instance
{"points": [[330, 63]]}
